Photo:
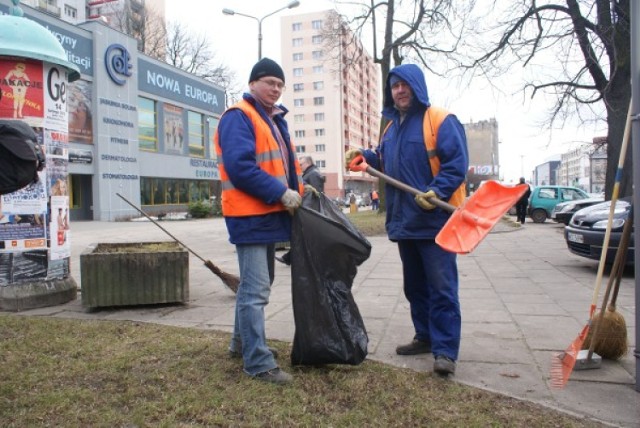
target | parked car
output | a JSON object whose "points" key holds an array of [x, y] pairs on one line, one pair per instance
{"points": [[563, 212], [544, 198], [585, 233]]}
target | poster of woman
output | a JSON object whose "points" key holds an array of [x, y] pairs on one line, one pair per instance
{"points": [[80, 114], [21, 83]]}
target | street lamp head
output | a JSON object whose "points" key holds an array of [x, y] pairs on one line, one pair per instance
{"points": [[293, 4], [228, 11]]}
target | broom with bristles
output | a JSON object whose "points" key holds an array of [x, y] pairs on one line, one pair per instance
{"points": [[608, 334]]}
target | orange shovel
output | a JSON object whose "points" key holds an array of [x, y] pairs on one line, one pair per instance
{"points": [[470, 223]]}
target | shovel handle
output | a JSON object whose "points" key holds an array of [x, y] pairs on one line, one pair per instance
{"points": [[359, 164]]}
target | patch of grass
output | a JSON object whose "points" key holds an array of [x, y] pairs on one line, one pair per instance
{"points": [[369, 222], [60, 372]]}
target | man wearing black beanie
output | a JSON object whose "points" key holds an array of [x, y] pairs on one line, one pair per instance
{"points": [[261, 186], [266, 67]]}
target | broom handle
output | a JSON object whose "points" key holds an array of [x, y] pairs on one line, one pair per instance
{"points": [[411, 190], [624, 247], [614, 198], [614, 276], [163, 229]]}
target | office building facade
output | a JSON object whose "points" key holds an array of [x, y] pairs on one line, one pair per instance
{"points": [[137, 126]]}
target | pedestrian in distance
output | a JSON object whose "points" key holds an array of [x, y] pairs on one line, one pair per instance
{"points": [[523, 203], [261, 187], [314, 182], [426, 148], [311, 175], [375, 200]]}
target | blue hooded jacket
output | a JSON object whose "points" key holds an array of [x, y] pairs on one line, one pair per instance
{"points": [[402, 154]]}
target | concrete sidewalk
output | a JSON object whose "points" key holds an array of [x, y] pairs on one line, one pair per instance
{"points": [[523, 296]]}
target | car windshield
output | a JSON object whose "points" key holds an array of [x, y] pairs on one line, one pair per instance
{"points": [[572, 195]]}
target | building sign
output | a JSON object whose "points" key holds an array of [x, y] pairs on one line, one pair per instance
{"points": [[117, 60], [177, 87], [80, 156], [483, 169]]}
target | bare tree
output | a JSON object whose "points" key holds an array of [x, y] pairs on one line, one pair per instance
{"points": [[174, 44], [144, 25], [193, 53], [579, 52], [419, 30]]}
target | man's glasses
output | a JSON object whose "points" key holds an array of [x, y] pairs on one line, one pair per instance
{"points": [[274, 84]]}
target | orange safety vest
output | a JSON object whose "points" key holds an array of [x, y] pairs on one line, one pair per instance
{"points": [[235, 202], [433, 118]]}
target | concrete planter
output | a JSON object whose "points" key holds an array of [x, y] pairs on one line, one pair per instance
{"points": [[124, 274]]}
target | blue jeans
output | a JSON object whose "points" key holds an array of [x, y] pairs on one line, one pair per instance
{"points": [[256, 263], [431, 287]]}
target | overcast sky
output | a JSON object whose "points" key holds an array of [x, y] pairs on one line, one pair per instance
{"points": [[524, 144]]}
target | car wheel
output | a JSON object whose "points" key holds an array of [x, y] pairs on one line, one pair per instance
{"points": [[539, 216]]}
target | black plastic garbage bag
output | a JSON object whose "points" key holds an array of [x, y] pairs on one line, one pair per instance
{"points": [[325, 252]]}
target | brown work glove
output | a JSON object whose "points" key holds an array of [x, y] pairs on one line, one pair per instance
{"points": [[423, 200], [350, 155]]}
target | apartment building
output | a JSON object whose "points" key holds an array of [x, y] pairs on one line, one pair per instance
{"points": [[585, 167], [111, 10], [333, 94], [79, 11], [71, 11], [484, 153]]}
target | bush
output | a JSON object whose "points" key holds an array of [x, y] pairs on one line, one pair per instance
{"points": [[200, 209]]}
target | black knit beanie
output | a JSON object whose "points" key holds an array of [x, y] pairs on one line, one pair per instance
{"points": [[266, 67]]}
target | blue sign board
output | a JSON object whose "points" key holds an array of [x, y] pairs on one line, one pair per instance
{"points": [[183, 89]]}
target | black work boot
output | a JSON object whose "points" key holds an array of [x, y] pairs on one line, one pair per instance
{"points": [[444, 365], [414, 348]]}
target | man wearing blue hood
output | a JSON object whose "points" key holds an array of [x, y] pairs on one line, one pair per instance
{"points": [[425, 147]]}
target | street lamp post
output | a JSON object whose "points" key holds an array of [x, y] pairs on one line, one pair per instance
{"points": [[291, 5]]}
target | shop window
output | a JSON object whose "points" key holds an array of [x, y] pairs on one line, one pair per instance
{"points": [[159, 196], [147, 125], [196, 134], [212, 123], [161, 191]]}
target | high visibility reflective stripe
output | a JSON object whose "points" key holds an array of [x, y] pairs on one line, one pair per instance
{"points": [[228, 185]]}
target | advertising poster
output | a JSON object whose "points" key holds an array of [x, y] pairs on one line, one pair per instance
{"points": [[59, 228], [22, 218], [80, 114], [22, 90], [173, 129], [56, 117]]}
